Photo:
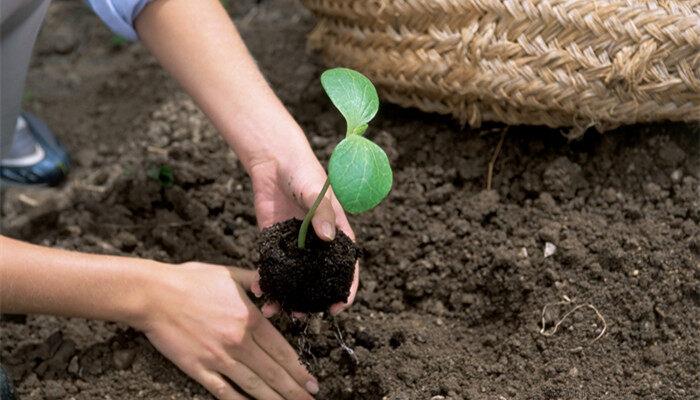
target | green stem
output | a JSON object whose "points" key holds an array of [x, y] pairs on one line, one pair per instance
{"points": [[301, 240]]}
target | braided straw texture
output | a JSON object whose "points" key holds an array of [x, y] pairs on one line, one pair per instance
{"points": [[560, 63]]}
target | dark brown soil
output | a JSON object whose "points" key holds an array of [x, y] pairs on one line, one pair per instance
{"points": [[305, 280], [454, 278]]}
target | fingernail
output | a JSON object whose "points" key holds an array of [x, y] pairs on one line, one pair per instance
{"points": [[267, 311], [255, 288], [328, 230], [312, 387]]}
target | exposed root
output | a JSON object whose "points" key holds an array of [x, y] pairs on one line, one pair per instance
{"points": [[552, 331], [306, 356], [489, 174], [344, 346]]}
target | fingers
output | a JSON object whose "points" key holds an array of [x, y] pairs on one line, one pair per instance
{"points": [[244, 277], [217, 386], [270, 372], [341, 219], [274, 344], [298, 315], [249, 381], [323, 220], [339, 307], [270, 309], [255, 288]]}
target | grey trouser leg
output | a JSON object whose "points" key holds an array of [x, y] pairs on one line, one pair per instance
{"points": [[20, 21]]}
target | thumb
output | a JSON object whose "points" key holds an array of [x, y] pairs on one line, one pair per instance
{"points": [[323, 220]]}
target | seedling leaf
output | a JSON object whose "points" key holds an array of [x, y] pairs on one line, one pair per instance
{"points": [[359, 173], [353, 95], [163, 174], [358, 170]]}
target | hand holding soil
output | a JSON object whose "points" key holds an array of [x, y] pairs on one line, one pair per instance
{"points": [[318, 276], [276, 201], [200, 318]]}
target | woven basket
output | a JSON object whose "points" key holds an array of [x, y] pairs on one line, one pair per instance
{"points": [[560, 63]]}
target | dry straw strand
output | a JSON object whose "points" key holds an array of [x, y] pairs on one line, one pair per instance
{"points": [[560, 63]]}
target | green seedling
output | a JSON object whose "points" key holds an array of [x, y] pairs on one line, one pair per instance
{"points": [[358, 170], [163, 174], [118, 42]]}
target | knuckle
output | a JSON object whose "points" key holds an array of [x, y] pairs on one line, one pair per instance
{"points": [[297, 394], [234, 338], [231, 364], [253, 319], [219, 389], [252, 383], [210, 354], [242, 314]]}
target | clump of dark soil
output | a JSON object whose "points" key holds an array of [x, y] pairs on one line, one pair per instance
{"points": [[305, 280]]}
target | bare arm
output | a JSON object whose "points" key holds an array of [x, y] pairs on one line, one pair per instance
{"points": [[196, 314], [40, 280], [197, 42]]}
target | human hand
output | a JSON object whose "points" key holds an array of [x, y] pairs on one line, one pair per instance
{"points": [[199, 317], [285, 190]]}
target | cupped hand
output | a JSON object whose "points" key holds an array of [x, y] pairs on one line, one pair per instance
{"points": [[285, 190], [200, 318]]}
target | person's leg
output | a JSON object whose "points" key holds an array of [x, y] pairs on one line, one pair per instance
{"points": [[21, 20], [29, 152]]}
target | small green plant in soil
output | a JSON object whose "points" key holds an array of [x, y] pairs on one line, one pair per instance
{"points": [[118, 42], [359, 170], [163, 174], [297, 269]]}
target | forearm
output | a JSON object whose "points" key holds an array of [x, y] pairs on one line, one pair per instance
{"points": [[41, 280], [197, 42]]}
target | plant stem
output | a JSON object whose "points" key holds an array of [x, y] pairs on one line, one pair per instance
{"points": [[301, 240]]}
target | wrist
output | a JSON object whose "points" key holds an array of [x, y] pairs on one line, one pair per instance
{"points": [[282, 147], [264, 133], [137, 308]]}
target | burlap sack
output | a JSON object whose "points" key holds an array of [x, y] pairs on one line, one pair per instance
{"points": [[560, 63]]}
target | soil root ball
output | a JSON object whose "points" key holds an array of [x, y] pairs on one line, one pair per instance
{"points": [[305, 280]]}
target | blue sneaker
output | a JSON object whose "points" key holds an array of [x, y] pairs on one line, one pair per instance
{"points": [[6, 392], [36, 156]]}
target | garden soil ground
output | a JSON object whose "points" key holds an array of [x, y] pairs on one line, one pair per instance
{"points": [[454, 278]]}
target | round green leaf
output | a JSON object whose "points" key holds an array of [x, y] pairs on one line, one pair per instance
{"points": [[360, 174], [353, 95]]}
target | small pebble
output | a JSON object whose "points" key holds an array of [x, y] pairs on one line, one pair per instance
{"points": [[676, 175], [549, 249], [123, 358], [523, 252], [73, 366]]}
